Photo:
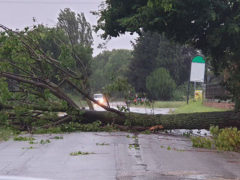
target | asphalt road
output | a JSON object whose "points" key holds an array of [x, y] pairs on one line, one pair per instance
{"points": [[121, 157], [142, 110]]}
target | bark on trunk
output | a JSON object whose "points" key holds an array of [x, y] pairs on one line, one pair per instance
{"points": [[170, 121], [89, 103]]}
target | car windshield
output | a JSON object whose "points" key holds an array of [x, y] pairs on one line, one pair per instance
{"points": [[98, 96]]}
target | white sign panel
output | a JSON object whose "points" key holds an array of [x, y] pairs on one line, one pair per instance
{"points": [[197, 72]]}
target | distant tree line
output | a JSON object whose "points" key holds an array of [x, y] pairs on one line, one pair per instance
{"points": [[156, 67]]}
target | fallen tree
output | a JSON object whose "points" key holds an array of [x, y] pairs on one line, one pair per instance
{"points": [[33, 91], [169, 121]]}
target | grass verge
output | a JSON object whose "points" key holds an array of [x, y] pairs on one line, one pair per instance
{"points": [[6, 133], [162, 104], [194, 107]]}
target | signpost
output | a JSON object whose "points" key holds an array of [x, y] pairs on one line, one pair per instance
{"points": [[197, 72]]}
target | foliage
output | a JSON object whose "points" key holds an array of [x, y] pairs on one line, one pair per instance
{"points": [[32, 142], [180, 93], [45, 141], [202, 24], [227, 139], [38, 66], [17, 60], [51, 130], [121, 87], [6, 133], [160, 84], [153, 51], [58, 137], [195, 106], [78, 153], [123, 108], [175, 58], [74, 126], [79, 33], [21, 138], [109, 66], [76, 27], [134, 146], [143, 61], [202, 142]]}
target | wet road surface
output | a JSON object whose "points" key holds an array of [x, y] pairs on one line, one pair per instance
{"points": [[121, 156], [142, 110]]}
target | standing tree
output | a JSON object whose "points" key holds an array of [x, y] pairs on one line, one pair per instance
{"points": [[153, 51], [212, 26], [80, 38], [160, 84], [108, 67], [176, 59], [143, 61]]}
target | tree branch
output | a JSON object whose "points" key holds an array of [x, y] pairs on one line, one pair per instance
{"points": [[56, 91]]}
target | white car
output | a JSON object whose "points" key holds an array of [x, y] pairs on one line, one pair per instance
{"points": [[100, 99]]}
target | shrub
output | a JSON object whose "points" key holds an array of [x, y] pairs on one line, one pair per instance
{"points": [[160, 84], [180, 93], [227, 139]]}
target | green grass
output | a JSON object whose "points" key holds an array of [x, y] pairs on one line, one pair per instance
{"points": [[6, 133], [194, 107], [163, 104], [168, 104]]}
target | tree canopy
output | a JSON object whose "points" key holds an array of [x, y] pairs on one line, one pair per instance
{"points": [[108, 67], [160, 84], [76, 27], [80, 40], [144, 60], [37, 67], [153, 51], [212, 26]]}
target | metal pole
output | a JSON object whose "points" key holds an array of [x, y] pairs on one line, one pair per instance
{"points": [[188, 91], [194, 86]]}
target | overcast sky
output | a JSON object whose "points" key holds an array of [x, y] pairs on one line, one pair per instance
{"points": [[17, 14]]}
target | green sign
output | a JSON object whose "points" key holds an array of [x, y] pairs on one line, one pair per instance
{"points": [[198, 59]]}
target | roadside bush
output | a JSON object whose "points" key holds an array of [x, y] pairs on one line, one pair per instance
{"points": [[227, 139], [201, 142], [180, 93], [160, 84]]}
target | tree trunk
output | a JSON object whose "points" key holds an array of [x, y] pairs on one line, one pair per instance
{"points": [[89, 103], [170, 121]]}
